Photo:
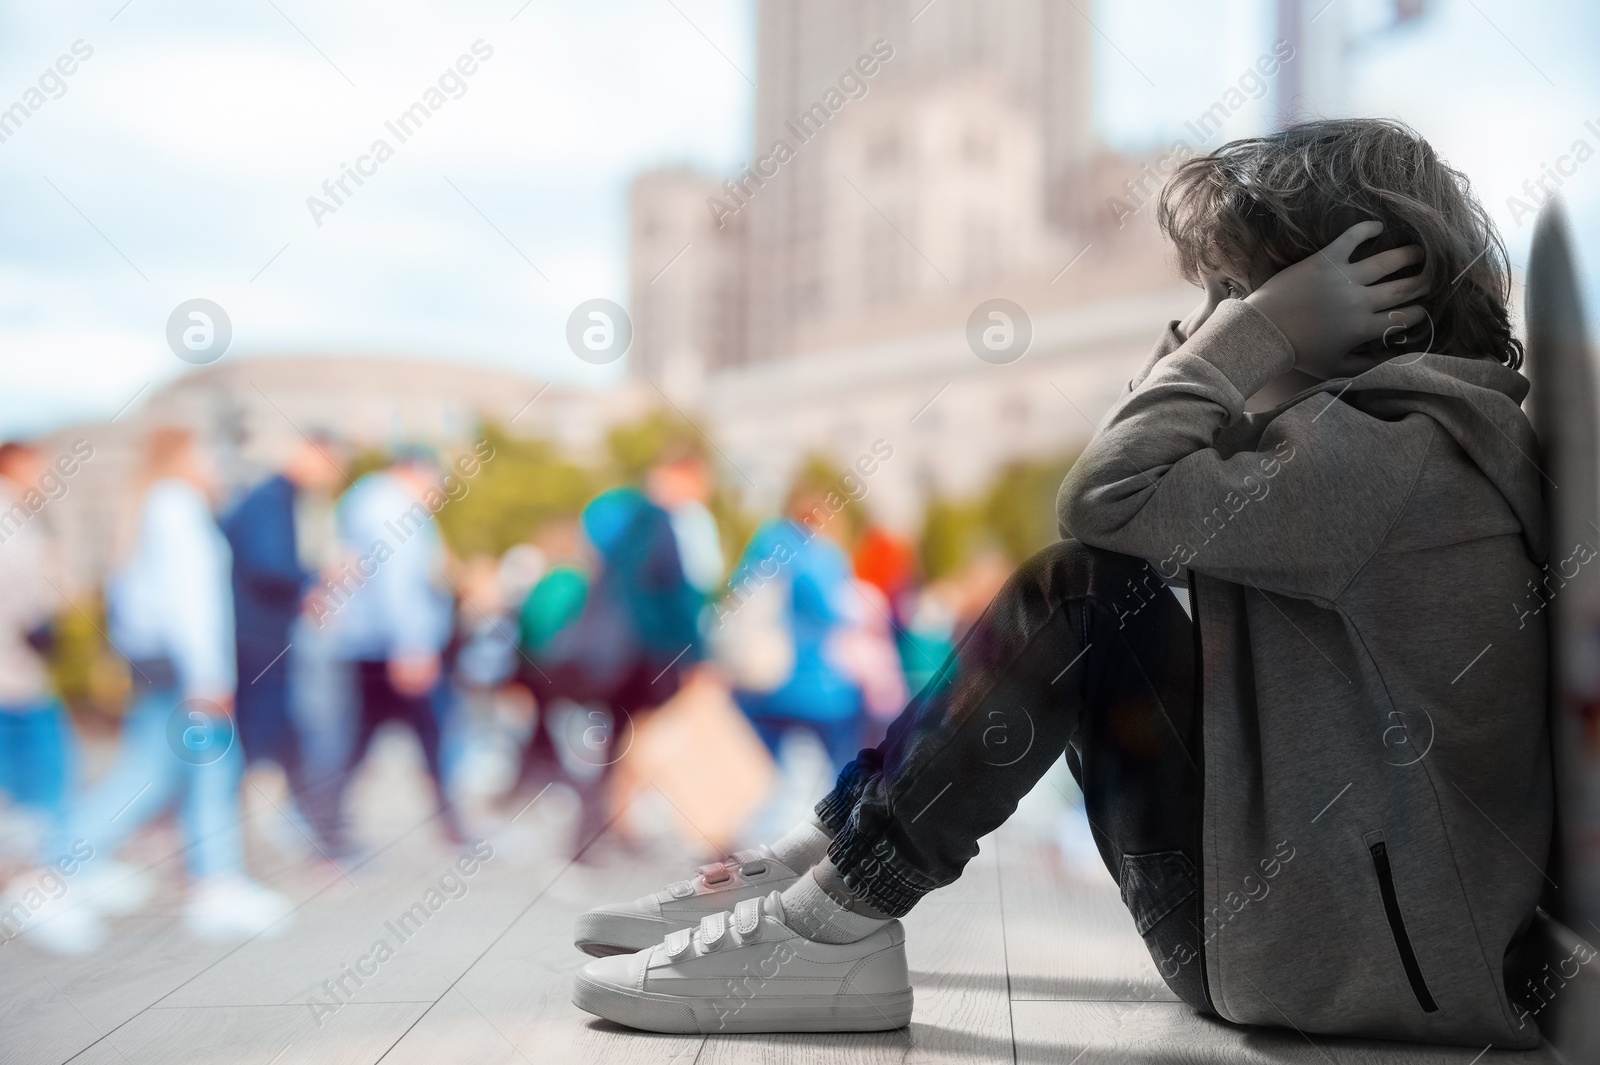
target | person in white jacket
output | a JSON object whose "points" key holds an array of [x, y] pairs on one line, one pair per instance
{"points": [[38, 749], [170, 607]]}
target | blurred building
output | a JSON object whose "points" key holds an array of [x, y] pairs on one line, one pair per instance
{"points": [[913, 161], [1035, 55], [249, 413], [911, 165], [687, 277]]}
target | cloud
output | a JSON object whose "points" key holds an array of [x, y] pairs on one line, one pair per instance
{"points": [[188, 144]]}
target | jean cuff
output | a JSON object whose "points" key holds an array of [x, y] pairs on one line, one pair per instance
{"points": [[871, 872], [834, 810]]}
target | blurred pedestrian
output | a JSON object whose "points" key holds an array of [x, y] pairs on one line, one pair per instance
{"points": [[888, 562], [631, 646], [866, 652], [798, 579], [554, 603], [38, 749], [270, 582], [171, 615], [479, 659], [35, 736], [394, 608], [681, 484]]}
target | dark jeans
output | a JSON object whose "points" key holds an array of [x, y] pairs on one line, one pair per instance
{"points": [[597, 738], [381, 702], [267, 732], [1082, 652]]}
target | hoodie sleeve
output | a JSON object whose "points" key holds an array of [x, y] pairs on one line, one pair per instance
{"points": [[1299, 514], [1170, 341]]}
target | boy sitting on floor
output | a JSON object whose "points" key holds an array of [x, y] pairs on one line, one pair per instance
{"points": [[1327, 797]]}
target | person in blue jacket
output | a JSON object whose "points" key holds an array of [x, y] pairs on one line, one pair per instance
{"points": [[797, 554], [270, 582], [634, 642]]}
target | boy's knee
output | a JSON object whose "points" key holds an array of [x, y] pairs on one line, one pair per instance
{"points": [[1071, 569]]}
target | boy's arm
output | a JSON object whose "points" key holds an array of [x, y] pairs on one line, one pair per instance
{"points": [[1299, 515], [1169, 342]]}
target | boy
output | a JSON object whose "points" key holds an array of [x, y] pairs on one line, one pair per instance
{"points": [[1327, 798]]}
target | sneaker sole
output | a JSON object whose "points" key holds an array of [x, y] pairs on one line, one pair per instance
{"points": [[791, 1013], [601, 935]]}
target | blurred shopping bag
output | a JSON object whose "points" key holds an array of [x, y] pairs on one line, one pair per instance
{"points": [[702, 754]]}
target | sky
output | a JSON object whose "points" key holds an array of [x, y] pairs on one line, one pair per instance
{"points": [[177, 159]]}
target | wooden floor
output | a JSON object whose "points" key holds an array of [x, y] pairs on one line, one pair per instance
{"points": [[1018, 962]]}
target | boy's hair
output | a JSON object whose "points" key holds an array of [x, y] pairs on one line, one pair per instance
{"points": [[1281, 198]]}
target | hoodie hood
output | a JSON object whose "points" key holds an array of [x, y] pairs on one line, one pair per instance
{"points": [[1476, 401]]}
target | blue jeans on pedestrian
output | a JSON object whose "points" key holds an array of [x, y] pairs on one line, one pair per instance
{"points": [[840, 737], [149, 777], [38, 761]]}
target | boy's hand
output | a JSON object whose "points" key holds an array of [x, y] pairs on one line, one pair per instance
{"points": [[1325, 305]]}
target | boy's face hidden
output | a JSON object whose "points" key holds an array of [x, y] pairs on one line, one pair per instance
{"points": [[1223, 283]]}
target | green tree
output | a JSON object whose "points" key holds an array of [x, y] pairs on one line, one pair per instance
{"points": [[634, 447], [1019, 510], [527, 482], [951, 532], [1016, 513]]}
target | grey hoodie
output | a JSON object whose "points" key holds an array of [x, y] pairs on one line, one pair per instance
{"points": [[1377, 804]]}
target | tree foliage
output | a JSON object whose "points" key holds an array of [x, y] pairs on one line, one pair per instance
{"points": [[527, 482], [1016, 514]]}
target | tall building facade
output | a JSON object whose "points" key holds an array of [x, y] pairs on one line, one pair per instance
{"points": [[1035, 55], [909, 166], [686, 280]]}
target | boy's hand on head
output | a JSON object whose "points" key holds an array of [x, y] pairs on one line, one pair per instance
{"points": [[1326, 305]]}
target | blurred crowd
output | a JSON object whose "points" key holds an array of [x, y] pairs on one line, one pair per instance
{"points": [[279, 630]]}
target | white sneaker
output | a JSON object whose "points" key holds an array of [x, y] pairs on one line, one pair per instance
{"points": [[747, 971], [625, 927], [234, 907], [115, 888], [62, 925]]}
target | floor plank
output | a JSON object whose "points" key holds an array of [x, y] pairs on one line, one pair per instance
{"points": [[259, 1035], [515, 1003], [1171, 1033], [52, 1007], [333, 932], [1068, 937]]}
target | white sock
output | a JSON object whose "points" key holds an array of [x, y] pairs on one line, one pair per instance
{"points": [[802, 846], [821, 918]]}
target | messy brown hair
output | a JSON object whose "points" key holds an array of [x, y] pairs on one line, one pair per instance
{"points": [[1277, 199]]}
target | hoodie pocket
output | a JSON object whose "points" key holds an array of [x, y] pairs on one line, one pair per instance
{"points": [[1397, 926]]}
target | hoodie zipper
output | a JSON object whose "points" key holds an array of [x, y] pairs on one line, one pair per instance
{"points": [[1200, 762], [1397, 925]]}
